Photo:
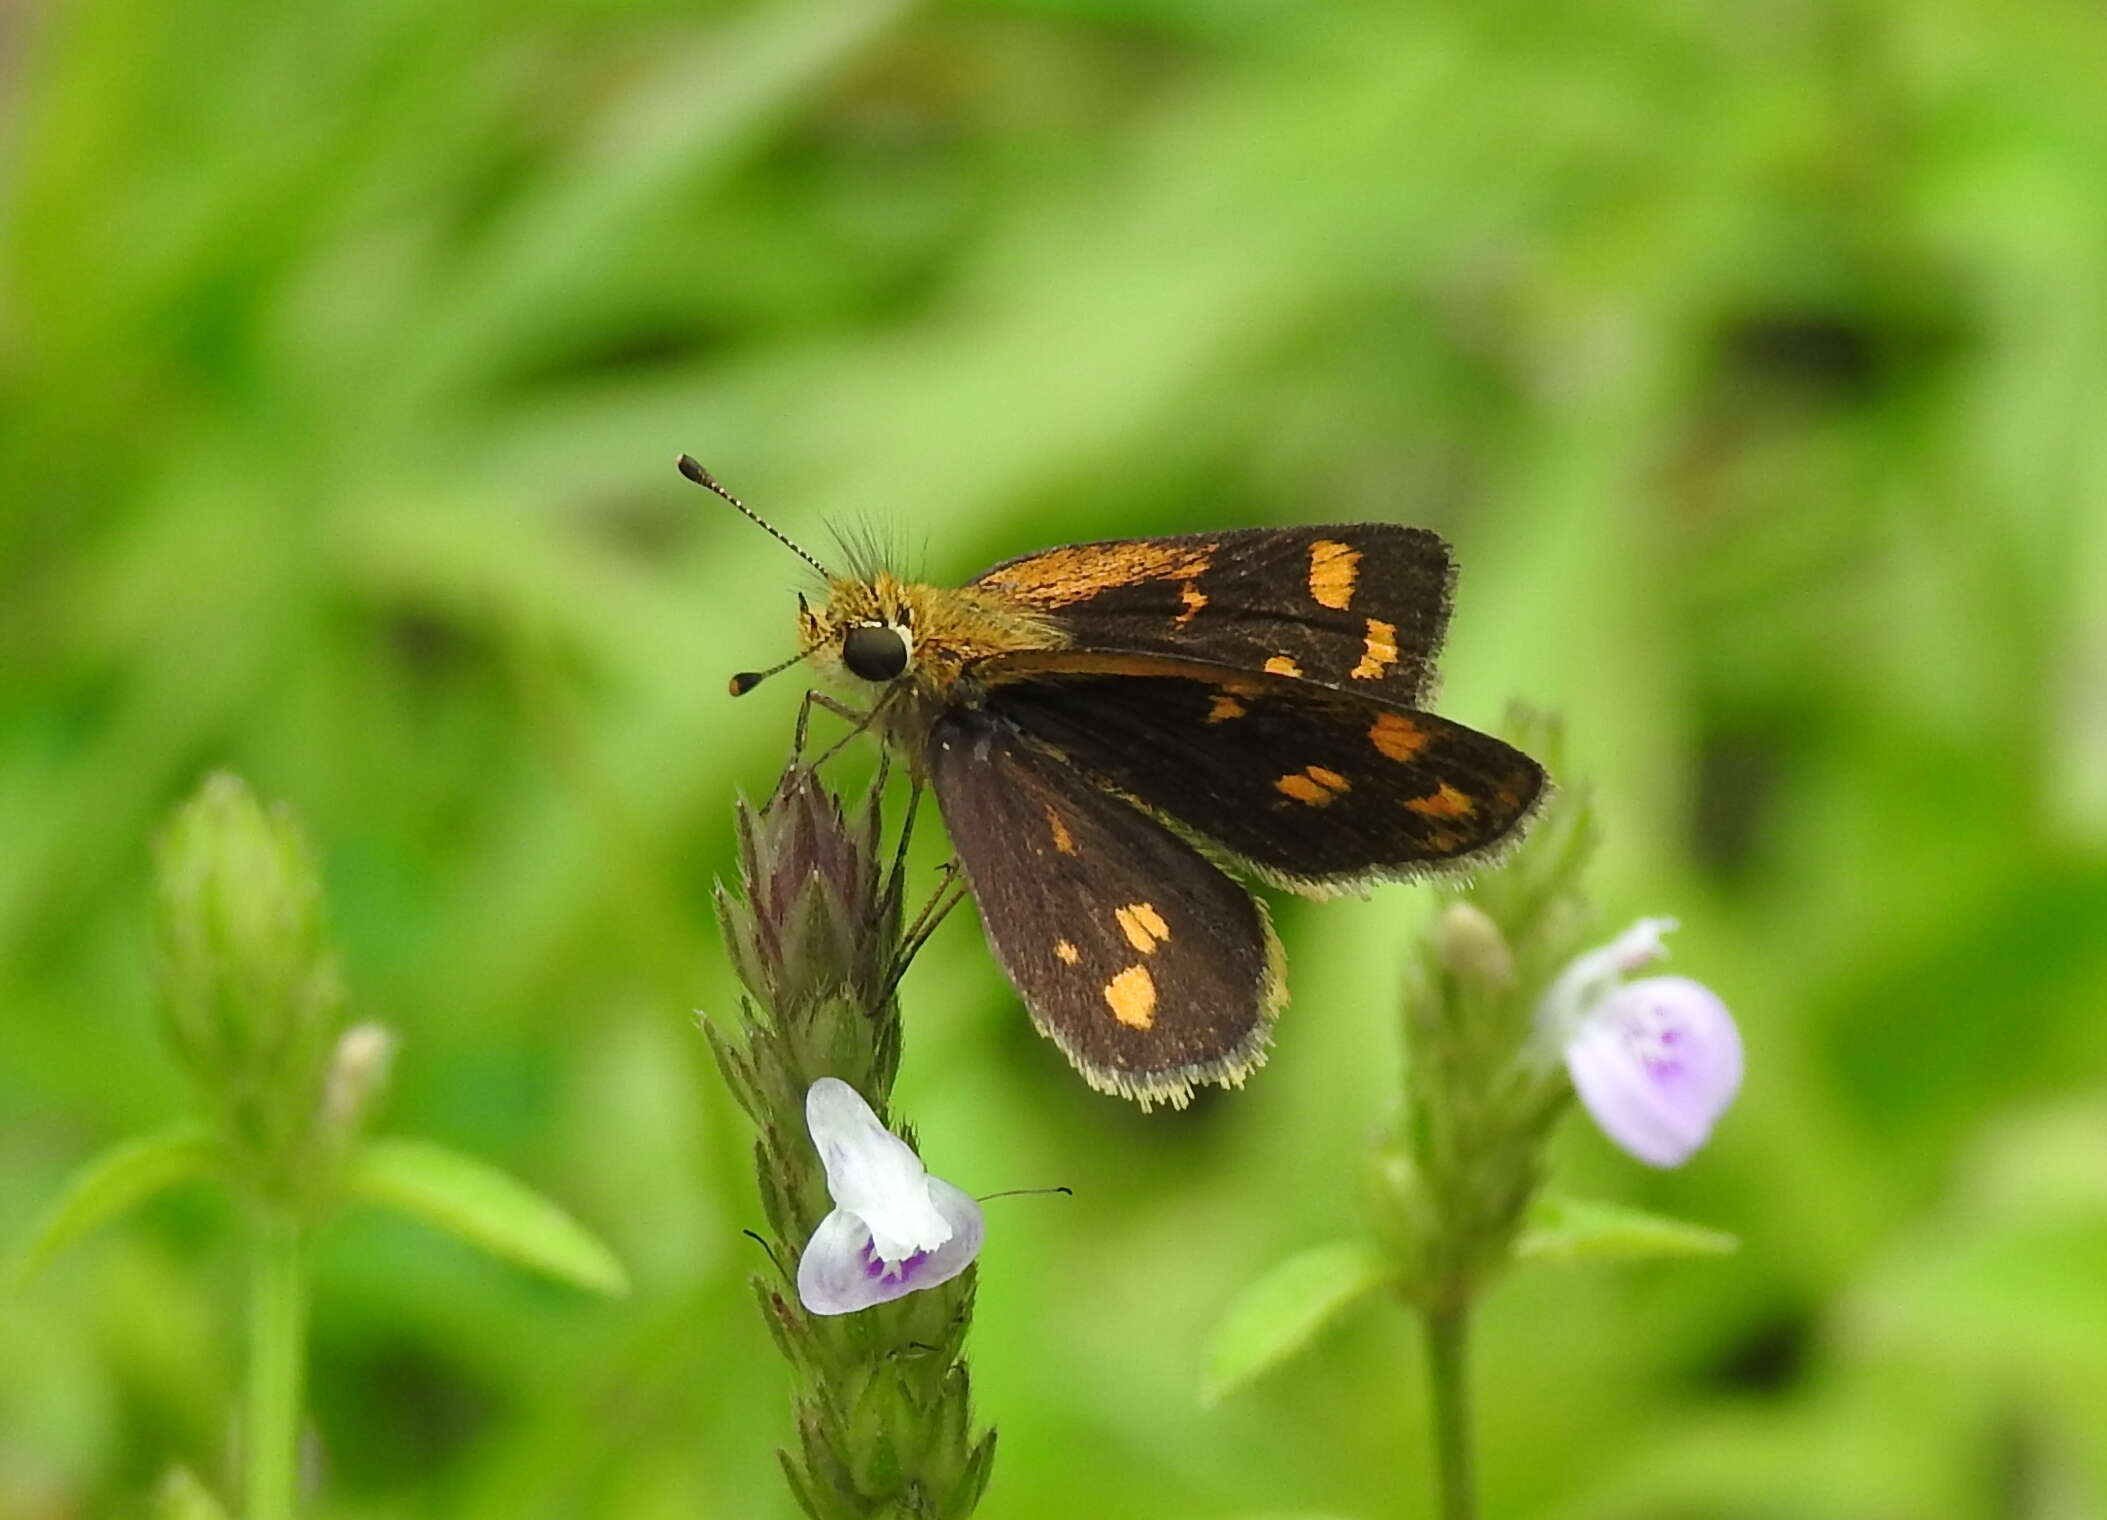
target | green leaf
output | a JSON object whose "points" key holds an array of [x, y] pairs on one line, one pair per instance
{"points": [[475, 1202], [1570, 1231], [120, 1179], [182, 1496], [1280, 1313]]}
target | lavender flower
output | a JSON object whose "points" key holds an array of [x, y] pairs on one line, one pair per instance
{"points": [[894, 1229], [1656, 1061]]}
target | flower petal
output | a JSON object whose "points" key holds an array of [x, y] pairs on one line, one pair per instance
{"points": [[1657, 1062], [831, 1275], [1588, 977], [842, 1272], [968, 1228], [872, 1173]]}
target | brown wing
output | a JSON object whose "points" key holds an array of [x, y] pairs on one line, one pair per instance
{"points": [[1148, 967], [1313, 789], [1359, 606]]}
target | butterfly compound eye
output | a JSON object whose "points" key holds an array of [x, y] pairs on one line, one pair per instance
{"points": [[874, 652]]}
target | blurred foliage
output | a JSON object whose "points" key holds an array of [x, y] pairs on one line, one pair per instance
{"points": [[1751, 356]]}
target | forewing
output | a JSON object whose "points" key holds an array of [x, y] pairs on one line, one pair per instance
{"points": [[1315, 790], [1360, 606], [1150, 969]]}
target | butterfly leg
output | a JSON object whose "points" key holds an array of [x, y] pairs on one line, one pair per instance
{"points": [[895, 879], [859, 721], [950, 892], [898, 875], [815, 698]]}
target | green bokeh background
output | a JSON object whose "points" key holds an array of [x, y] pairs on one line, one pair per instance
{"points": [[1753, 357]]}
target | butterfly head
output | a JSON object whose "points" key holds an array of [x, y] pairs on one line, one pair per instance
{"points": [[880, 632], [909, 642], [867, 632]]}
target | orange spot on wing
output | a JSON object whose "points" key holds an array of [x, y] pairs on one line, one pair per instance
{"points": [[1062, 839], [1077, 572], [1225, 708], [1194, 599], [1332, 569], [1281, 665], [1067, 951], [1132, 997], [1378, 650], [1143, 926], [1314, 785], [1398, 736], [1444, 802]]}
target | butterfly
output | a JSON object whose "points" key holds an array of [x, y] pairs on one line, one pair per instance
{"points": [[1116, 731]]}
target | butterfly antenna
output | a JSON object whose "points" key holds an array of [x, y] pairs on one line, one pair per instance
{"points": [[695, 472], [746, 680]]}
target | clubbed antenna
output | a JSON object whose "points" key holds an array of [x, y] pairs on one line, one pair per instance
{"points": [[746, 680], [695, 472]]}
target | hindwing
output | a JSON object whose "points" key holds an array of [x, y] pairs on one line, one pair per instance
{"points": [[1359, 606], [1148, 967]]}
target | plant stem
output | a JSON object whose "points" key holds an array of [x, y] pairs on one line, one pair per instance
{"points": [[1448, 1383], [277, 1367]]}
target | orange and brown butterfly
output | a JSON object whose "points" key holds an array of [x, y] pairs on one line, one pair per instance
{"points": [[1112, 728]]}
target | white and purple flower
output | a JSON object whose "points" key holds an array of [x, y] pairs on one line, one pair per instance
{"points": [[895, 1229], [1656, 1061]]}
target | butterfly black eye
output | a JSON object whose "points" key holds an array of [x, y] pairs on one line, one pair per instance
{"points": [[875, 652]]}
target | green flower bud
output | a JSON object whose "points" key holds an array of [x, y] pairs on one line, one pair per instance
{"points": [[816, 937], [249, 991], [1470, 946], [1405, 1219], [819, 919]]}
